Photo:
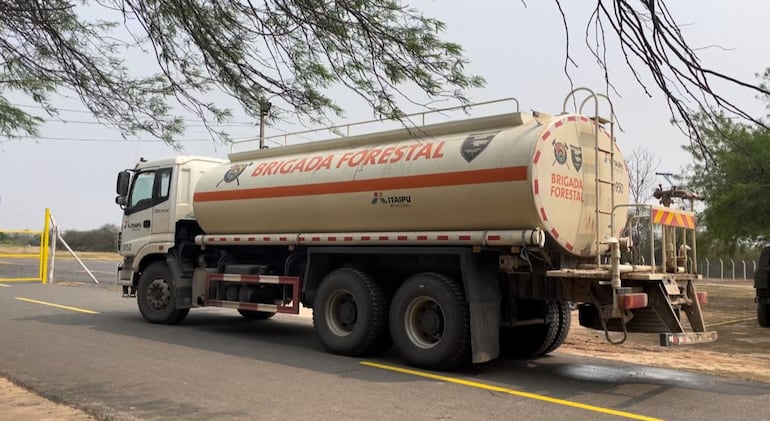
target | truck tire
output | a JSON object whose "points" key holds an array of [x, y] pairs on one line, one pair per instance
{"points": [[763, 313], [564, 322], [350, 313], [535, 340], [156, 296], [430, 322], [256, 315]]}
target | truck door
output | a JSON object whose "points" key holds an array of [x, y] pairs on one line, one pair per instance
{"points": [[161, 212], [148, 204]]}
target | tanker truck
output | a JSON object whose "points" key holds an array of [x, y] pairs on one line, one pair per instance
{"points": [[453, 242]]}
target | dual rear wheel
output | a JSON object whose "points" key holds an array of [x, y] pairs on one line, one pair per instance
{"points": [[427, 320], [537, 339]]}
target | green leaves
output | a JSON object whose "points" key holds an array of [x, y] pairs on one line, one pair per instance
{"points": [[735, 179], [296, 50]]}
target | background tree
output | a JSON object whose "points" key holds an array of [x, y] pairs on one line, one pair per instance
{"points": [[293, 49], [642, 165], [296, 50], [653, 46], [737, 182], [100, 239]]}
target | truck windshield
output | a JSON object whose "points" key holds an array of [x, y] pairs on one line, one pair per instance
{"points": [[142, 188]]}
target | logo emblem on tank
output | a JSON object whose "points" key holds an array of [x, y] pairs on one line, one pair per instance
{"points": [[233, 173], [402, 201], [577, 156], [560, 152], [475, 143], [378, 198]]}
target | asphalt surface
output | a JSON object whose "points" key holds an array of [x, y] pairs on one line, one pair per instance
{"points": [[217, 365]]}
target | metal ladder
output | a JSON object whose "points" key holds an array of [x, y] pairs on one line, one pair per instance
{"points": [[599, 122]]}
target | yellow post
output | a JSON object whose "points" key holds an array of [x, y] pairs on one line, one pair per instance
{"points": [[44, 242]]}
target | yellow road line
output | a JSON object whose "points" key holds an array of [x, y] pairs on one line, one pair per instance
{"points": [[81, 310], [510, 391], [729, 322]]}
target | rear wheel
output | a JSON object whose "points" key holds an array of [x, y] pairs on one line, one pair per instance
{"points": [[430, 322], [534, 340], [350, 313], [156, 296], [256, 315]]}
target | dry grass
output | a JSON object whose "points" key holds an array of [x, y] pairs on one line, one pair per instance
{"points": [[34, 252]]}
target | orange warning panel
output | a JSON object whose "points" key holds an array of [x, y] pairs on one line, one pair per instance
{"points": [[673, 218]]}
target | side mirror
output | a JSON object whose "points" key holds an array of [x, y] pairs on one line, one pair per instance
{"points": [[121, 201], [124, 179]]}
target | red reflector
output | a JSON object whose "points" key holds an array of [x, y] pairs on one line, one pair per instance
{"points": [[634, 300], [703, 297]]}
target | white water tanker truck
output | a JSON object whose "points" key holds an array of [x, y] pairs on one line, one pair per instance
{"points": [[452, 242]]}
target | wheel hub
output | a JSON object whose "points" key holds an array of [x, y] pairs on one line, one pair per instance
{"points": [[341, 313], [424, 322], [430, 321], [347, 312], [158, 294]]}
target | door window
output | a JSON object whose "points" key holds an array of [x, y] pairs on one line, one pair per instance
{"points": [[149, 189]]}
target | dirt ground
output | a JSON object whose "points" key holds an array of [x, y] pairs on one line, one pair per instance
{"points": [[16, 403], [743, 352]]}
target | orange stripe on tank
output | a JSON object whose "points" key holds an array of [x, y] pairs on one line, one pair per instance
{"points": [[460, 178]]}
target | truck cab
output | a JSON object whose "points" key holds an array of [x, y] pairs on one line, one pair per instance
{"points": [[154, 196]]}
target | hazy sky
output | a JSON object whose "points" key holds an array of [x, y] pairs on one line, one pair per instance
{"points": [[519, 50]]}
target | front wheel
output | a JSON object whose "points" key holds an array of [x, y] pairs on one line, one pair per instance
{"points": [[156, 296], [430, 322]]}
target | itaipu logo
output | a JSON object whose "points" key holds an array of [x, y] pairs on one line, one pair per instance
{"points": [[233, 173], [403, 201]]}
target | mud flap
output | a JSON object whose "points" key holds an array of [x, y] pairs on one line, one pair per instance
{"points": [[182, 286], [482, 292]]}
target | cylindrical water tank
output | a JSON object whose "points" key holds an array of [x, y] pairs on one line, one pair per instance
{"points": [[511, 171]]}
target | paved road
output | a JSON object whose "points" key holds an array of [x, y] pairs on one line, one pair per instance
{"points": [[220, 366]]}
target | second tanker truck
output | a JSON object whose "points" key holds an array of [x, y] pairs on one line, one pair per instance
{"points": [[452, 242]]}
